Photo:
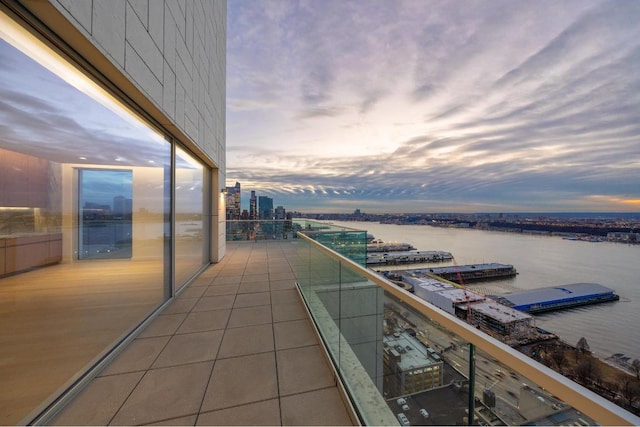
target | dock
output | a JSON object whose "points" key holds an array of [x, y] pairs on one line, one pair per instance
{"points": [[557, 297]]}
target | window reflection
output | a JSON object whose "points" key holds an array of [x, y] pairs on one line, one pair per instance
{"points": [[80, 178], [104, 214], [189, 226]]}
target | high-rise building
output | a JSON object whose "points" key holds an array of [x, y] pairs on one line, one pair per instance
{"points": [[233, 202], [266, 207], [253, 206], [280, 213]]}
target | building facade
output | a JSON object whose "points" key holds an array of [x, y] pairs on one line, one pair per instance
{"points": [[265, 205], [253, 206], [233, 202], [112, 161]]}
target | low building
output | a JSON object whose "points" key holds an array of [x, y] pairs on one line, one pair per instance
{"points": [[409, 366]]}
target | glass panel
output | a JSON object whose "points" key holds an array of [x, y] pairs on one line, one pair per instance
{"points": [[105, 213], [58, 133], [189, 206], [426, 372], [400, 365], [244, 230]]}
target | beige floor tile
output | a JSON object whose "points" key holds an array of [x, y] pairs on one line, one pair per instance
{"points": [[241, 380], [302, 369], [189, 348], [138, 356], [322, 408], [214, 303], [250, 288], [192, 292], [99, 401], [227, 280], [297, 333], [285, 297], [166, 393], [279, 267], [163, 325], [253, 278], [232, 271], [200, 282], [204, 321], [281, 285], [248, 340], [216, 290], [266, 413], [182, 421], [282, 276], [252, 300], [287, 312], [181, 305], [250, 316]]}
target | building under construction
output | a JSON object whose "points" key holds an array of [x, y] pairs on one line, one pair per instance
{"points": [[497, 320]]}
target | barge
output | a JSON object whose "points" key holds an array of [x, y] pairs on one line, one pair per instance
{"points": [[407, 257], [557, 297], [462, 274], [380, 246]]}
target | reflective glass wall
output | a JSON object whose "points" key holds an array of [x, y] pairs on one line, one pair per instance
{"points": [[85, 223], [190, 226]]}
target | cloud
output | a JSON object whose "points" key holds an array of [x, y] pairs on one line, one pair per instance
{"points": [[500, 104]]}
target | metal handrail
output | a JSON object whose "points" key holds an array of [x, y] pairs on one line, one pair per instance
{"points": [[579, 397]]}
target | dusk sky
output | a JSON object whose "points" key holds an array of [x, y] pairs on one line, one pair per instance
{"points": [[431, 106]]}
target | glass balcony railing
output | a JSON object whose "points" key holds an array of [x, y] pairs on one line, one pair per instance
{"points": [[404, 361], [348, 242], [252, 230]]}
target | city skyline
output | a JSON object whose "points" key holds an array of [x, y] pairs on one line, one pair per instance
{"points": [[428, 107]]}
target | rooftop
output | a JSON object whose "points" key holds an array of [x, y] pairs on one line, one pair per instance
{"points": [[236, 347]]}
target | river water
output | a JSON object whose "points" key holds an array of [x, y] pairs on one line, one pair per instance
{"points": [[543, 261]]}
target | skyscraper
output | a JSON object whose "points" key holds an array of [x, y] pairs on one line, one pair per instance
{"points": [[280, 213], [253, 206], [266, 207], [233, 202]]}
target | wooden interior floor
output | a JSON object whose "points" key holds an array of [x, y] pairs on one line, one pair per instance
{"points": [[57, 319]]}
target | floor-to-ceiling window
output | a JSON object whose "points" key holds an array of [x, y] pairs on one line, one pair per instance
{"points": [[85, 191], [190, 227]]}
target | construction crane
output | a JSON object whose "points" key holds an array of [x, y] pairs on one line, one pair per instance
{"points": [[464, 289]]}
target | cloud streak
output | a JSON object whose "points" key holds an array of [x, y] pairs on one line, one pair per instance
{"points": [[412, 105]]}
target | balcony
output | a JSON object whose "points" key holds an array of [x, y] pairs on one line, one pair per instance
{"points": [[235, 348], [286, 330]]}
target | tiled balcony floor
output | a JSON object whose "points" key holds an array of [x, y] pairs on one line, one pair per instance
{"points": [[235, 348]]}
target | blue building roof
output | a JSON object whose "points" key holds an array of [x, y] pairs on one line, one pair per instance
{"points": [[526, 300]]}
